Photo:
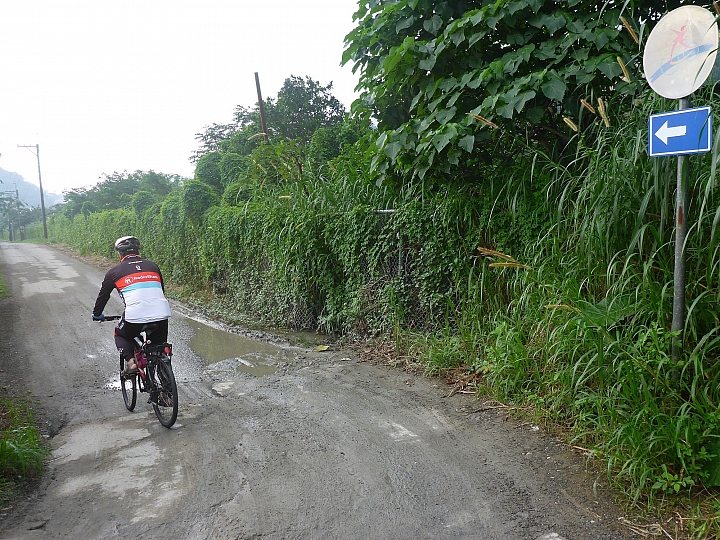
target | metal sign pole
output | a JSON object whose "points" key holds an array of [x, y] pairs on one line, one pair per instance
{"points": [[681, 228], [679, 56]]}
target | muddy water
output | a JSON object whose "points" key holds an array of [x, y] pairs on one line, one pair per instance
{"points": [[227, 353]]}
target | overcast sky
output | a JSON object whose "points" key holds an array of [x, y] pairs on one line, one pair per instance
{"points": [[115, 85]]}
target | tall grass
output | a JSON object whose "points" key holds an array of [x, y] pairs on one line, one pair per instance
{"points": [[3, 288], [580, 329], [22, 451]]}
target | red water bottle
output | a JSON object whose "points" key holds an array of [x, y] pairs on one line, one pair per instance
{"points": [[141, 360]]}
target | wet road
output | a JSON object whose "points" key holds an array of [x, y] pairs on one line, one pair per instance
{"points": [[271, 442]]}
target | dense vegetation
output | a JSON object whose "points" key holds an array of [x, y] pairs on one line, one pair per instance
{"points": [[489, 200], [15, 214]]}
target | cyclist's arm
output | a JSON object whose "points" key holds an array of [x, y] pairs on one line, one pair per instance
{"points": [[106, 289]]}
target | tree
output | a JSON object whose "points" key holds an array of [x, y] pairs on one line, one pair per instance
{"points": [[8, 210], [157, 183], [304, 106], [437, 76], [328, 142], [117, 191], [196, 198], [142, 201], [208, 170], [211, 138]]}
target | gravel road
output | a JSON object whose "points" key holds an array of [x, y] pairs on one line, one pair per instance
{"points": [[280, 442]]}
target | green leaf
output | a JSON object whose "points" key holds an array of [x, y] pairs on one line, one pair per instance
{"points": [[433, 24], [467, 77], [576, 27], [391, 61], [445, 115], [467, 143], [457, 37], [520, 100], [580, 54], [433, 105], [492, 21], [443, 137], [534, 114], [381, 140], [453, 99], [440, 141], [448, 84], [476, 82], [403, 24], [475, 38], [602, 38], [506, 110], [392, 149], [426, 64], [553, 22], [554, 88], [610, 68]]}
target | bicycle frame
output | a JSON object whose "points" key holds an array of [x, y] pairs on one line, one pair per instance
{"points": [[154, 376]]}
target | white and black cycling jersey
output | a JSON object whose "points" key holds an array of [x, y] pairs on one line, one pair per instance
{"points": [[141, 288]]}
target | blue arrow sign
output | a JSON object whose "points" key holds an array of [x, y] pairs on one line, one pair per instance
{"points": [[687, 131]]}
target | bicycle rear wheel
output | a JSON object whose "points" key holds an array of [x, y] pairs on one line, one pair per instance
{"points": [[128, 384], [166, 404]]}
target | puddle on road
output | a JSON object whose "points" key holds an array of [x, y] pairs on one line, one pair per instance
{"points": [[224, 351]]}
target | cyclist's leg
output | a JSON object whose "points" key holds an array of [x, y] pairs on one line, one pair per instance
{"points": [[124, 334]]}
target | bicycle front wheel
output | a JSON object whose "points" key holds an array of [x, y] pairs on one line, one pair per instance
{"points": [[166, 404], [128, 384]]}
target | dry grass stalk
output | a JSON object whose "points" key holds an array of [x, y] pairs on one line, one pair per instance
{"points": [[510, 265], [588, 106], [630, 29], [624, 69], [601, 108], [484, 120], [492, 253], [570, 123]]}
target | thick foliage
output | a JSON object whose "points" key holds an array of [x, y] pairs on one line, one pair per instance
{"points": [[208, 170], [301, 108], [437, 75], [116, 191]]}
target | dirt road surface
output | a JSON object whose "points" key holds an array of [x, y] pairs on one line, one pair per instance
{"points": [[272, 441]]}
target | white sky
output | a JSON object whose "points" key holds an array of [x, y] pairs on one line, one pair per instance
{"points": [[115, 85]]}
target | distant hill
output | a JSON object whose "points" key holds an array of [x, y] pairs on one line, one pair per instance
{"points": [[27, 192]]}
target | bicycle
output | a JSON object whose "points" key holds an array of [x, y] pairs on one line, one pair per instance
{"points": [[154, 376]]}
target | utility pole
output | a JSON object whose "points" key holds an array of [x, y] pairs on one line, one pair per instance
{"points": [[17, 206], [42, 198], [262, 108]]}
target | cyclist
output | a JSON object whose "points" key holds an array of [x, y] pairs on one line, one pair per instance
{"points": [[140, 285]]}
